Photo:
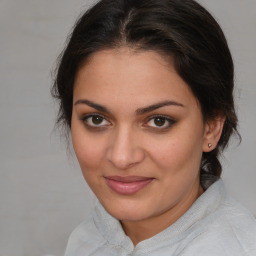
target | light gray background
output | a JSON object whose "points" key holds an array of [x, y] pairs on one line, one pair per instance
{"points": [[42, 193]]}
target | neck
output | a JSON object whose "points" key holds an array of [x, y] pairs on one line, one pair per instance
{"points": [[144, 229]]}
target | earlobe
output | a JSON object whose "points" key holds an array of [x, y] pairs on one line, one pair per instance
{"points": [[212, 133]]}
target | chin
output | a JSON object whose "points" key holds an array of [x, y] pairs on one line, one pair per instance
{"points": [[126, 211]]}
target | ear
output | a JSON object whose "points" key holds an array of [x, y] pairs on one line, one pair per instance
{"points": [[212, 132]]}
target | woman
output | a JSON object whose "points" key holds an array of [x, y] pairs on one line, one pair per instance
{"points": [[146, 88]]}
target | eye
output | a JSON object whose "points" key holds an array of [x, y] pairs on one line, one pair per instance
{"points": [[95, 121], [160, 122]]}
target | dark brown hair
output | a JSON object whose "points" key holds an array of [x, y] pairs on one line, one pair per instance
{"points": [[180, 29]]}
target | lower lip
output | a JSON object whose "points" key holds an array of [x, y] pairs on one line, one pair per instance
{"points": [[127, 188]]}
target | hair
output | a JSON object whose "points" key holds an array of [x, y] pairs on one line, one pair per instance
{"points": [[180, 29]]}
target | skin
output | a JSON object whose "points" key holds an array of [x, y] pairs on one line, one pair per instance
{"points": [[127, 141]]}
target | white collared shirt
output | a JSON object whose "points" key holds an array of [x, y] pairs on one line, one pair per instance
{"points": [[215, 225]]}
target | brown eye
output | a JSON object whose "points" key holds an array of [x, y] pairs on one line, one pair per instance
{"points": [[159, 121], [97, 120]]}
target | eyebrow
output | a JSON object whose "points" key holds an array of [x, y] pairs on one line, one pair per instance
{"points": [[150, 108], [93, 105], [139, 111]]}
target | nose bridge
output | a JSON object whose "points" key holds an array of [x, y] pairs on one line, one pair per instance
{"points": [[124, 150]]}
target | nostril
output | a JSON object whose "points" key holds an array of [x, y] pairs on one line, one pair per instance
{"points": [[127, 159], [124, 151]]}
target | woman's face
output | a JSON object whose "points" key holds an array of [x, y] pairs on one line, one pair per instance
{"points": [[138, 134]]}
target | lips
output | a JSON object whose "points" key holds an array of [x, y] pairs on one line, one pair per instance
{"points": [[127, 185]]}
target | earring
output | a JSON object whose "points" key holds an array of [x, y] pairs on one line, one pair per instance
{"points": [[209, 145]]}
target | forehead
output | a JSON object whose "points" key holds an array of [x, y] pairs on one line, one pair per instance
{"points": [[132, 76]]}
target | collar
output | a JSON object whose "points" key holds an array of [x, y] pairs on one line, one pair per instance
{"points": [[111, 229]]}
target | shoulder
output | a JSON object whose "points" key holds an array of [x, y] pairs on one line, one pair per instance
{"points": [[84, 239], [230, 230]]}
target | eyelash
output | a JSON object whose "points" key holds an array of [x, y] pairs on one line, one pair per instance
{"points": [[165, 118], [85, 119]]}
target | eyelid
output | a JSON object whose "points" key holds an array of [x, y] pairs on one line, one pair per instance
{"points": [[167, 118], [87, 116]]}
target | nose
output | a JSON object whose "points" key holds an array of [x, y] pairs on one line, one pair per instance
{"points": [[125, 150]]}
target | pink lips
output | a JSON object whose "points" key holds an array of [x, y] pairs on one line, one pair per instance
{"points": [[127, 185]]}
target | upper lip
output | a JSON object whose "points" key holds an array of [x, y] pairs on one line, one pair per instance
{"points": [[128, 178]]}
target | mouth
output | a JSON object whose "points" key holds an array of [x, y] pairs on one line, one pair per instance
{"points": [[127, 185]]}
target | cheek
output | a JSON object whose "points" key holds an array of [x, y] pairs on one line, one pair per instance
{"points": [[89, 151], [178, 153]]}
